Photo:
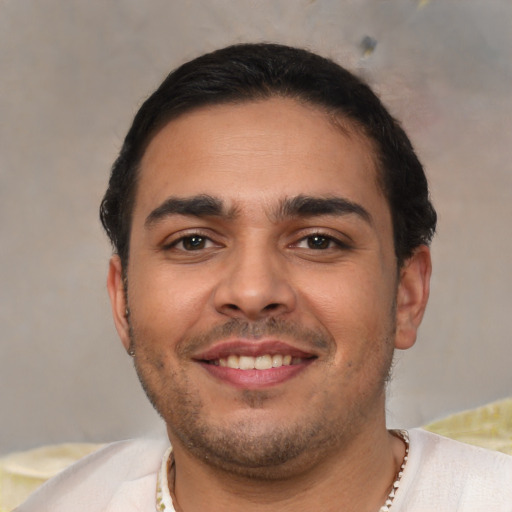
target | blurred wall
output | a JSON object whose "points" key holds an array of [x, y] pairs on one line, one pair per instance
{"points": [[72, 75]]}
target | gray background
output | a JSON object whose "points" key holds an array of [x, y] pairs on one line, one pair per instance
{"points": [[72, 74]]}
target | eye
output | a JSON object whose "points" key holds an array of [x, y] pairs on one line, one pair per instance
{"points": [[318, 242], [192, 243]]}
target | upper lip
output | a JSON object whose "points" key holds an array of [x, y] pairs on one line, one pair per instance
{"points": [[252, 348]]}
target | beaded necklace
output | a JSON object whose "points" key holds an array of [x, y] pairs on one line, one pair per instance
{"points": [[404, 436]]}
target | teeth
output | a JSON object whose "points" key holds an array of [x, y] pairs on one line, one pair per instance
{"points": [[232, 362], [277, 361], [246, 363], [264, 362]]}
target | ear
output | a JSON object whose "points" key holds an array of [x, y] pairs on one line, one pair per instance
{"points": [[116, 291], [412, 296]]}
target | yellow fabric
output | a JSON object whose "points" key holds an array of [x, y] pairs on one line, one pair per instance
{"points": [[21, 473], [489, 426]]}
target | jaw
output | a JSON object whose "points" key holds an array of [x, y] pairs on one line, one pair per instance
{"points": [[265, 442], [272, 422], [270, 432]]}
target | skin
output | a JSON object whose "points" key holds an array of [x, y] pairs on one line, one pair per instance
{"points": [[255, 272]]}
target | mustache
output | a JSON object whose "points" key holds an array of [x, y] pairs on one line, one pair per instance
{"points": [[317, 338]]}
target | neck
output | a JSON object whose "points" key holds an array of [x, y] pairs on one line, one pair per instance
{"points": [[353, 476]]}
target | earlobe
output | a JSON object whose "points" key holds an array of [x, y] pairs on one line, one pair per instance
{"points": [[117, 294], [412, 296]]}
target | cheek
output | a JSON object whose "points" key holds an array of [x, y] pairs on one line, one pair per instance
{"points": [[167, 304], [357, 310], [349, 300]]}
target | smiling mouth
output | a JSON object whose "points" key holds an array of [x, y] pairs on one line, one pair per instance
{"points": [[255, 366], [263, 362]]}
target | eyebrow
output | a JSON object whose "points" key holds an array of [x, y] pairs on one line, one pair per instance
{"points": [[196, 206], [204, 205], [310, 206]]}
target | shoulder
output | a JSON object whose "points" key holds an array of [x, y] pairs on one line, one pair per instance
{"points": [[452, 475], [93, 482], [433, 448]]}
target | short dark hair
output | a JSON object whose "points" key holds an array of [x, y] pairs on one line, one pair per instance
{"points": [[248, 72]]}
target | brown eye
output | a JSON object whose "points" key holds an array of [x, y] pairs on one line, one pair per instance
{"points": [[318, 242], [193, 243]]}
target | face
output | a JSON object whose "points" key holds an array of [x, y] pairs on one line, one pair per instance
{"points": [[264, 296]]}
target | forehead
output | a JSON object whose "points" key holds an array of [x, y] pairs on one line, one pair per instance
{"points": [[257, 151]]}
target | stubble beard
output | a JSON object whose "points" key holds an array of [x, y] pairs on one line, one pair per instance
{"points": [[243, 447]]}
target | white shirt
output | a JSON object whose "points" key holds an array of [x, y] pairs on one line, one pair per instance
{"points": [[441, 475]]}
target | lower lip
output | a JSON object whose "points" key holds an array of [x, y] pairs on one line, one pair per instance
{"points": [[256, 379]]}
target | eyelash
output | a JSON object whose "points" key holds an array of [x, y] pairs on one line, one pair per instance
{"points": [[331, 240], [189, 236]]}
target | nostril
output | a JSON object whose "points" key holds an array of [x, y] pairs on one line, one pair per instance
{"points": [[271, 307]]}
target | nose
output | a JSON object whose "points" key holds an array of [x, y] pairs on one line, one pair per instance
{"points": [[254, 286]]}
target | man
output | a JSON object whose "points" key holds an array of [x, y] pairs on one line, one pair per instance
{"points": [[270, 224]]}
